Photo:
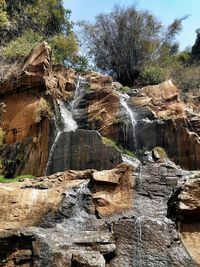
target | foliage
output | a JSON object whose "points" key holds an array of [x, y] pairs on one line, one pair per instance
{"points": [[161, 152], [31, 22], [2, 134], [196, 47], [43, 110], [109, 142], [65, 49], [3, 15], [125, 89], [125, 40], [128, 153], [187, 78], [46, 17], [151, 76], [21, 46], [2, 110], [15, 179]]}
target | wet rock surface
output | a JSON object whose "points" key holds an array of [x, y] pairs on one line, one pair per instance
{"points": [[81, 150], [89, 226]]}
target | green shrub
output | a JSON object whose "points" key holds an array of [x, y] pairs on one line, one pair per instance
{"points": [[187, 78], [161, 152], [109, 142], [21, 46], [43, 110], [151, 76], [128, 153], [125, 89]]}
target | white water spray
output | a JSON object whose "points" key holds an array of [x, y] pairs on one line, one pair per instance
{"points": [[129, 113]]}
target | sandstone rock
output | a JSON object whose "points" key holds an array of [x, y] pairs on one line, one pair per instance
{"points": [[163, 100], [97, 81], [29, 83]]}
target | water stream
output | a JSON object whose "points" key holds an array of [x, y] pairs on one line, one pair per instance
{"points": [[67, 124], [130, 115]]}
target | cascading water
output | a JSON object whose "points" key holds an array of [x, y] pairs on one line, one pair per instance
{"points": [[67, 122], [138, 233], [130, 115], [79, 92]]}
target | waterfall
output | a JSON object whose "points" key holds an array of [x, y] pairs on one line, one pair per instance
{"points": [[79, 92], [130, 115], [67, 124]]}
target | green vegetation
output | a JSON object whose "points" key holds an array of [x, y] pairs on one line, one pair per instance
{"points": [[43, 110], [125, 89], [110, 142], [21, 46], [3, 15], [161, 152], [24, 24], [126, 40], [151, 75], [15, 179], [128, 153]]}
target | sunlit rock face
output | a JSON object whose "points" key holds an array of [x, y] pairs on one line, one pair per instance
{"points": [[92, 209], [21, 90], [115, 217], [164, 120]]}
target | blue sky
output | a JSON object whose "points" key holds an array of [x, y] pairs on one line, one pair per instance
{"points": [[165, 10]]}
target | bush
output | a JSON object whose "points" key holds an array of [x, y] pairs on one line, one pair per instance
{"points": [[43, 110], [125, 89], [187, 78], [21, 46], [151, 76], [109, 142]]}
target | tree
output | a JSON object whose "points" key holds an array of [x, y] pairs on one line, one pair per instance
{"points": [[126, 39], [195, 53], [30, 22]]}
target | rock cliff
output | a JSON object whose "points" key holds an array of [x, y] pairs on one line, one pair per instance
{"points": [[92, 202]]}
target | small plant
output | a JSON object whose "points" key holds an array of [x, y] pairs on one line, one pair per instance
{"points": [[15, 179], [109, 142], [98, 118], [43, 110], [151, 76], [128, 153], [161, 152], [125, 89]]}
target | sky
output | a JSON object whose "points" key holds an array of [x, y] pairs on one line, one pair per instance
{"points": [[165, 10]]}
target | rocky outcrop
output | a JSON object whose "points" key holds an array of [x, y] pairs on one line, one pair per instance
{"points": [[163, 120], [34, 83], [93, 218], [99, 107], [82, 150], [184, 208]]}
